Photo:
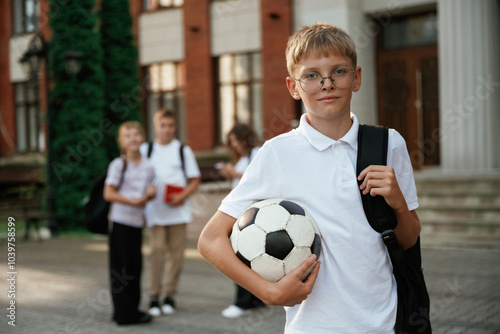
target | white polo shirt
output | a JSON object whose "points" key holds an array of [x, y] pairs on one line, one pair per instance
{"points": [[355, 291], [166, 160]]}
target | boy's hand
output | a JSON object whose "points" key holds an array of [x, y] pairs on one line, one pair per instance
{"points": [[291, 290], [140, 202], [151, 192], [176, 199], [381, 180]]}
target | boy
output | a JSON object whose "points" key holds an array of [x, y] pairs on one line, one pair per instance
{"points": [[354, 290], [167, 219], [129, 189]]}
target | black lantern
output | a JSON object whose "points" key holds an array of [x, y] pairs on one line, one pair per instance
{"points": [[33, 58], [73, 62]]}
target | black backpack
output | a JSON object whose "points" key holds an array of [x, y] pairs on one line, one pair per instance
{"points": [[413, 298], [96, 208]]}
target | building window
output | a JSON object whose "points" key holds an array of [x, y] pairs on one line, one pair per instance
{"points": [[239, 91], [161, 4], [410, 31], [25, 15], [164, 82], [27, 117]]}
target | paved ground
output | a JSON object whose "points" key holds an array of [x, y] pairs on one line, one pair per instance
{"points": [[62, 287]]}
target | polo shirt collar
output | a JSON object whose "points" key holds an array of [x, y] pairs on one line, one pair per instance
{"points": [[322, 142]]}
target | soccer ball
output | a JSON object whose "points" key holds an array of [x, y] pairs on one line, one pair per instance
{"points": [[273, 237]]}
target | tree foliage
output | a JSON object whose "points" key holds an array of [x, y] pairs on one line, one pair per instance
{"points": [[77, 126], [123, 90]]}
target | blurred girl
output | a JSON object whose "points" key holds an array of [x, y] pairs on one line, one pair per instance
{"points": [[243, 142], [128, 187]]}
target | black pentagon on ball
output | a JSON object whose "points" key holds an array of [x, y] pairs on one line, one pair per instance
{"points": [[242, 258], [293, 208], [279, 244], [247, 218], [316, 246]]}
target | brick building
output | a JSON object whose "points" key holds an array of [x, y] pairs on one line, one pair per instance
{"points": [[220, 61]]}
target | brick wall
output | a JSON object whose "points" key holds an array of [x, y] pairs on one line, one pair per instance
{"points": [[8, 121], [199, 80], [278, 105]]}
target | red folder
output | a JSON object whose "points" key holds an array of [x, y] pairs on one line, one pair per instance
{"points": [[169, 191]]}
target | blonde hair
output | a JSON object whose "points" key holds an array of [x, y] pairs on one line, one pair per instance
{"points": [[319, 39], [129, 125], [161, 113]]}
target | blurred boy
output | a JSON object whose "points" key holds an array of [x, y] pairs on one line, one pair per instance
{"points": [[169, 213]]}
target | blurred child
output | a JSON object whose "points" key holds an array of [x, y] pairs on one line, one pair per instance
{"points": [[167, 215], [243, 142], [128, 188]]}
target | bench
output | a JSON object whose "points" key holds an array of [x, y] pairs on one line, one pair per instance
{"points": [[29, 210]]}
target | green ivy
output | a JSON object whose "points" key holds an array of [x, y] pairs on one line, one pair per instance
{"points": [[76, 109], [123, 92]]}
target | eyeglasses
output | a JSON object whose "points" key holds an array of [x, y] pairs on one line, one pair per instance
{"points": [[312, 82]]}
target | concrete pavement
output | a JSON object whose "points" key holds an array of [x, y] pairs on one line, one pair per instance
{"points": [[62, 287]]}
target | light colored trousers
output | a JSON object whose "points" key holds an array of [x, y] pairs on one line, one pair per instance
{"points": [[167, 245]]}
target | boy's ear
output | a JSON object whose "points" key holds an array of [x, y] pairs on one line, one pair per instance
{"points": [[291, 84], [357, 79]]}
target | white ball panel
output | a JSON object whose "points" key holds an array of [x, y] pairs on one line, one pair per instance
{"points": [[313, 222], [234, 237], [266, 202], [295, 258], [272, 218], [252, 242], [268, 267], [300, 230]]}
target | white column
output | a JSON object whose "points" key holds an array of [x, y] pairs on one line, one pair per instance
{"points": [[469, 83]]}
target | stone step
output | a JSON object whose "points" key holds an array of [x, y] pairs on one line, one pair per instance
{"points": [[482, 202], [459, 215], [460, 240], [461, 186], [480, 227], [459, 210], [433, 181]]}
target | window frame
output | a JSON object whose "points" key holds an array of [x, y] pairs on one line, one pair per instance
{"points": [[155, 6], [178, 93], [250, 82], [25, 21], [27, 105]]}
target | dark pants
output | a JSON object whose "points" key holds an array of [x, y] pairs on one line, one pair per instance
{"points": [[246, 299], [125, 261]]}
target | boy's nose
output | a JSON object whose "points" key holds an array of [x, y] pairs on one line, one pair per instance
{"points": [[328, 83]]}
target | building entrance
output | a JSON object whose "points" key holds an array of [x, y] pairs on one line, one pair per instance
{"points": [[407, 74]]}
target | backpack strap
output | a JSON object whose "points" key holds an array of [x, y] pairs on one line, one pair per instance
{"points": [[372, 150], [122, 175], [150, 149], [181, 153]]}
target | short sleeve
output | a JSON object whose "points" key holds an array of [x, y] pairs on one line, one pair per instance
{"points": [[399, 159], [257, 183], [114, 172], [144, 150], [151, 175], [190, 163]]}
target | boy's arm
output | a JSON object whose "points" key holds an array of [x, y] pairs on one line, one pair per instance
{"points": [[215, 246], [111, 194], [381, 180]]}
